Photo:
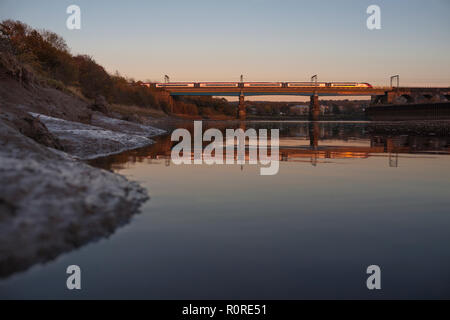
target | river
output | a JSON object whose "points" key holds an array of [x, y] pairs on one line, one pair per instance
{"points": [[347, 195]]}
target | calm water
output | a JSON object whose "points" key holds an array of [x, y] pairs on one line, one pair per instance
{"points": [[348, 195]]}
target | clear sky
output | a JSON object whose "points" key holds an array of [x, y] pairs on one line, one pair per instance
{"points": [[215, 40]]}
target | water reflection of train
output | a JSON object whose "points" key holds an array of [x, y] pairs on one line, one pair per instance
{"points": [[316, 143], [261, 85]]}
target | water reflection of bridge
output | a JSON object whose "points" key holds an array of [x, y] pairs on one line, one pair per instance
{"points": [[319, 142]]}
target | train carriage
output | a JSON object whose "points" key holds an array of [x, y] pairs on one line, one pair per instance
{"points": [[263, 84], [350, 85], [219, 85], [175, 85], [328, 85], [305, 84]]}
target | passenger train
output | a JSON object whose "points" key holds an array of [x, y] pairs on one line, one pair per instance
{"points": [[262, 85]]}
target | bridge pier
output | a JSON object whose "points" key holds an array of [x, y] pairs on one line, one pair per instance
{"points": [[314, 108], [241, 109]]}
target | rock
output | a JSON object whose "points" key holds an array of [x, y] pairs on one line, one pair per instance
{"points": [[85, 117], [132, 118], [100, 105], [51, 204], [32, 128], [7, 210], [90, 141]]}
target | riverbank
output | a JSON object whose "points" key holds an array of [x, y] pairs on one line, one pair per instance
{"points": [[51, 201], [432, 111]]}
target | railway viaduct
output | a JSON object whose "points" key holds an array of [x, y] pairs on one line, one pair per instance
{"points": [[380, 95]]}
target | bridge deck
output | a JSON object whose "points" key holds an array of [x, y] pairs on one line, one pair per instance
{"points": [[279, 91], [376, 91]]}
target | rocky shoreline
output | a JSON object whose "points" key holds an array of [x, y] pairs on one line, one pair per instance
{"points": [[51, 201]]}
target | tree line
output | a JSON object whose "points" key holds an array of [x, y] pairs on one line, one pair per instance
{"points": [[49, 56]]}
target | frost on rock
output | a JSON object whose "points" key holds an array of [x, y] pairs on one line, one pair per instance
{"points": [[125, 126], [50, 203], [111, 136]]}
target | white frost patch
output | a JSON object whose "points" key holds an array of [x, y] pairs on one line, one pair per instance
{"points": [[125, 126], [89, 142]]}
